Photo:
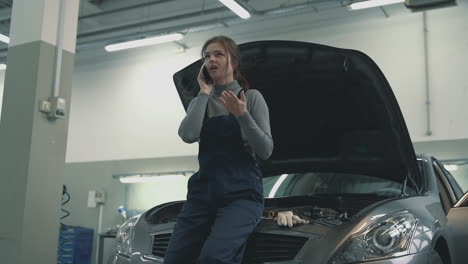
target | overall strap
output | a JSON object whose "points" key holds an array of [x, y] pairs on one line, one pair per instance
{"points": [[239, 93]]}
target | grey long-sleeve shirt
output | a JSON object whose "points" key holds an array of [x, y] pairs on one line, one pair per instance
{"points": [[254, 124]]}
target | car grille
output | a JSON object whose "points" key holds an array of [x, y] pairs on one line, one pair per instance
{"points": [[161, 241], [261, 247]]}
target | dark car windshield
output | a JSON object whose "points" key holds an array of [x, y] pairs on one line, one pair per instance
{"points": [[328, 183]]}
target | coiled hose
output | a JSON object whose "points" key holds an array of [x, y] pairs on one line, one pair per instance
{"points": [[65, 246]]}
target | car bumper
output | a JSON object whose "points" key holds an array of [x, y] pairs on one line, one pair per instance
{"points": [[135, 259], [420, 258], [117, 259]]}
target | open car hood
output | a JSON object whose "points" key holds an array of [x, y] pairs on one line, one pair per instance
{"points": [[331, 109]]}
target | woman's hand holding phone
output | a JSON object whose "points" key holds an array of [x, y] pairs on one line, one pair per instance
{"points": [[205, 86]]}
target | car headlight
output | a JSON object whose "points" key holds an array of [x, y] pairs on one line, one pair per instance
{"points": [[387, 237], [123, 240]]}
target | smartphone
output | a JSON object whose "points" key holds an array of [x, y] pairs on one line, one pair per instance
{"points": [[207, 76]]}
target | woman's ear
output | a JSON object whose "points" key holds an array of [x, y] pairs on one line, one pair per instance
{"points": [[235, 66]]}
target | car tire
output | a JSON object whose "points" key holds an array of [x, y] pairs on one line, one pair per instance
{"points": [[435, 258]]}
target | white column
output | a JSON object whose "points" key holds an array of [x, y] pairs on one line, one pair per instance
{"points": [[32, 147]]}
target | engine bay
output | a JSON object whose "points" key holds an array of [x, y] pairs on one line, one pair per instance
{"points": [[324, 211], [323, 216]]}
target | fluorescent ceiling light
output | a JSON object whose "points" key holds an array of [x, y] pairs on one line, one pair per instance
{"points": [[144, 42], [140, 179], [4, 38], [373, 3], [236, 8], [451, 167]]}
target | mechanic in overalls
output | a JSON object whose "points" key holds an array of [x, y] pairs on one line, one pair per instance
{"points": [[225, 197]]}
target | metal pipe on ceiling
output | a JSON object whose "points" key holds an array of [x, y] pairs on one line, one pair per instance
{"points": [[195, 27], [108, 12], [192, 27], [258, 16], [205, 25], [150, 22], [123, 9]]}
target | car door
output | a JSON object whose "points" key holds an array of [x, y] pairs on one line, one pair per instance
{"points": [[458, 220], [457, 215]]}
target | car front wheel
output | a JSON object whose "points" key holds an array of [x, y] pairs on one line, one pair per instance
{"points": [[435, 258]]}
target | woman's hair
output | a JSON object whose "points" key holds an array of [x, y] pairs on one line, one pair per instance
{"points": [[234, 53]]}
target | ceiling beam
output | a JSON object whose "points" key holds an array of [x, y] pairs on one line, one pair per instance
{"points": [[150, 22], [123, 9]]}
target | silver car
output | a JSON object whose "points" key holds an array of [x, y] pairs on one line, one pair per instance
{"points": [[343, 160]]}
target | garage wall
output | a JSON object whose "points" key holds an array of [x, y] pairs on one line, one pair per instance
{"points": [[444, 149], [124, 105], [82, 177], [448, 73], [2, 80]]}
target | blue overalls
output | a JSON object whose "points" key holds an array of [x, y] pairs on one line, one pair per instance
{"points": [[224, 199]]}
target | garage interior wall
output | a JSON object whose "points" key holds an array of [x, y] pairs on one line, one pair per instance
{"points": [[2, 80], [84, 176], [125, 105], [125, 110]]}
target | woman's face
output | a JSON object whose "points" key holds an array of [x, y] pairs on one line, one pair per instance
{"points": [[218, 63]]}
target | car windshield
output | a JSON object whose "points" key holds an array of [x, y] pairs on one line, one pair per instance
{"points": [[457, 175], [330, 184]]}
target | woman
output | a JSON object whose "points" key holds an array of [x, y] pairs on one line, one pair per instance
{"points": [[225, 197]]}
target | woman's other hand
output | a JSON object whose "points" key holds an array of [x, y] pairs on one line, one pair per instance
{"points": [[233, 104], [205, 87], [287, 218]]}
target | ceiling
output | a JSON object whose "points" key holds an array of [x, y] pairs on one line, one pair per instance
{"points": [[120, 21], [108, 21]]}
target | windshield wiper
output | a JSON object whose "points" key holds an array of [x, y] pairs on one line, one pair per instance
{"points": [[349, 195]]}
